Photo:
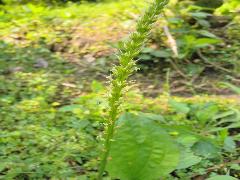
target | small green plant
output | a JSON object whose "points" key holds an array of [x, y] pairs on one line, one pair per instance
{"points": [[128, 51]]}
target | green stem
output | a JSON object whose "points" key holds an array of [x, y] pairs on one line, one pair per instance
{"points": [[128, 51], [107, 145], [106, 153]]}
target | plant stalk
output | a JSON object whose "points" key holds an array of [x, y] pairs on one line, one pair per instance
{"points": [[128, 50]]}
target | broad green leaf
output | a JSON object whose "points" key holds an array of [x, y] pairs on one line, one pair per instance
{"points": [[204, 42], [187, 159], [229, 144], [179, 107], [187, 140], [193, 69], [184, 135], [161, 54], [223, 177], [155, 117], [207, 34], [204, 23], [206, 149], [145, 57], [78, 124], [147, 50], [190, 39], [175, 20], [141, 150], [200, 14], [207, 113], [235, 167]]}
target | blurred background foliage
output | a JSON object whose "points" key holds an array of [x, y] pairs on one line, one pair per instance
{"points": [[44, 1]]}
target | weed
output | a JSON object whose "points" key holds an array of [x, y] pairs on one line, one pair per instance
{"points": [[128, 51]]}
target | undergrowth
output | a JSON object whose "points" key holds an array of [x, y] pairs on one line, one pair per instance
{"points": [[51, 112]]}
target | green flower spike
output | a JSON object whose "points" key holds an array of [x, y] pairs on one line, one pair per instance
{"points": [[128, 50]]}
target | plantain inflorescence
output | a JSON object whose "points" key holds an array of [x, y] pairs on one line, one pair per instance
{"points": [[128, 50]]}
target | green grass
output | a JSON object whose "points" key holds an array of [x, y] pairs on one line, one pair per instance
{"points": [[48, 132], [51, 117]]}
